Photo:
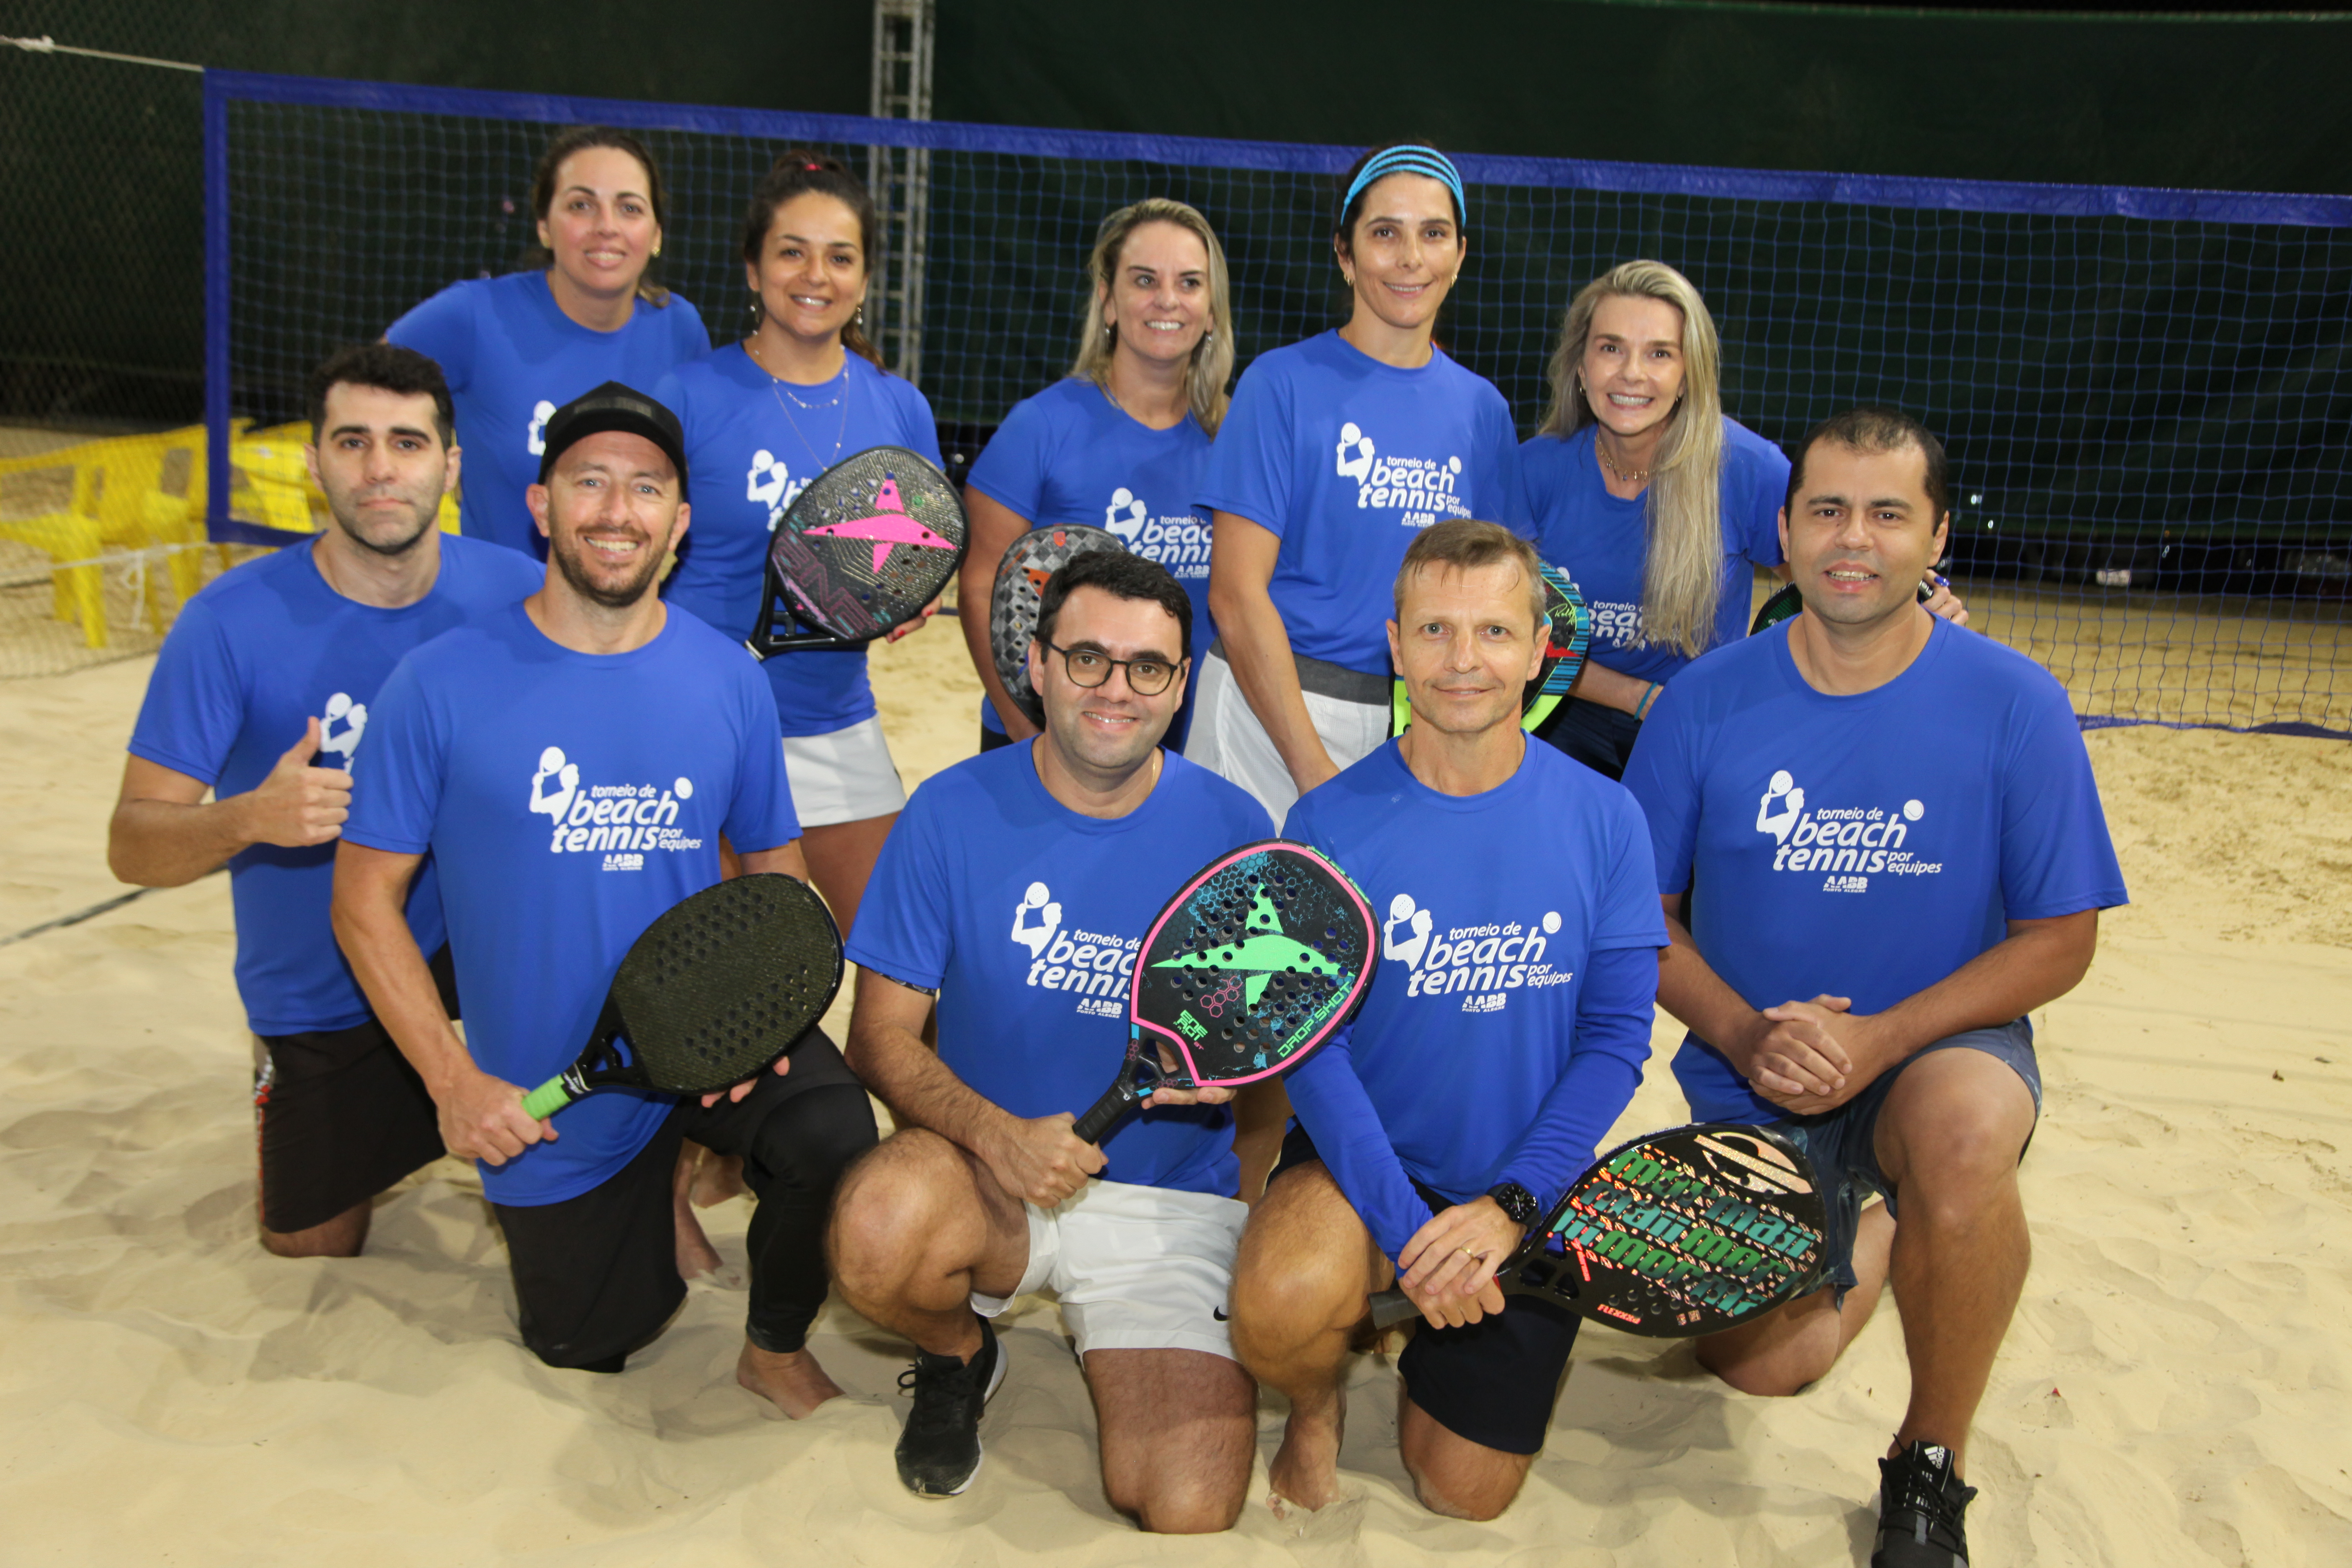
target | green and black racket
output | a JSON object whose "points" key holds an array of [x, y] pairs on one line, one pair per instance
{"points": [[711, 993], [1565, 644], [1678, 1234], [1255, 963]]}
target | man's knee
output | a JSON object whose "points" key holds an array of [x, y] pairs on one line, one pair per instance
{"points": [[888, 1204], [812, 1139], [1474, 1491], [1778, 1373], [1952, 1146], [1186, 1505]]}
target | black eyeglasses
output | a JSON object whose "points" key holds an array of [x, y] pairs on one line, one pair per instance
{"points": [[1089, 668]]}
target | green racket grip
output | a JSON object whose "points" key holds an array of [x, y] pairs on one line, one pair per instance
{"points": [[547, 1100]]}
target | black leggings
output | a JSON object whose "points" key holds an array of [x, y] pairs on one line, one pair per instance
{"points": [[596, 1275]]}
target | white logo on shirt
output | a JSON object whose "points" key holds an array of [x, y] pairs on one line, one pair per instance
{"points": [[1486, 960], [1849, 844], [1423, 488], [771, 484], [353, 716], [1181, 543], [1091, 967], [617, 821], [535, 438], [1617, 623]]}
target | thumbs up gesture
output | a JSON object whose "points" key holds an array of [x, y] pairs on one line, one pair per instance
{"points": [[298, 805]]}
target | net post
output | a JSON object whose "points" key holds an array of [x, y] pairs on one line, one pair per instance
{"points": [[217, 306]]}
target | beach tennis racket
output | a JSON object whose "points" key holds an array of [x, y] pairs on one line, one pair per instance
{"points": [[1564, 649], [1252, 964], [1786, 601], [861, 552], [1678, 1234], [1013, 601], [714, 992]]}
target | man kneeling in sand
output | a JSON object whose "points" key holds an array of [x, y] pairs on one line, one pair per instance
{"points": [[1896, 819], [1017, 888]]}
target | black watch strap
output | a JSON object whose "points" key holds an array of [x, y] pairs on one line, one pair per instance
{"points": [[1517, 1203]]}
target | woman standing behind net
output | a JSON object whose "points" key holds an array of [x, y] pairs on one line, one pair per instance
{"points": [[764, 417], [1651, 498], [1122, 443], [516, 348], [1337, 451]]}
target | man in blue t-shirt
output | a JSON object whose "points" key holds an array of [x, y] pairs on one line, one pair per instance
{"points": [[1016, 888], [1893, 847], [1504, 1033], [260, 696], [570, 763]]}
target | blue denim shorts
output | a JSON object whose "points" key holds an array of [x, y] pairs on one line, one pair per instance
{"points": [[1844, 1143]]}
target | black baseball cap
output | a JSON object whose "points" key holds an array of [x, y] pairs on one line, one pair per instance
{"points": [[613, 406]]}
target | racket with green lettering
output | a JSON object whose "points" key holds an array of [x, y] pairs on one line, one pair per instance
{"points": [[713, 992], [1675, 1235]]}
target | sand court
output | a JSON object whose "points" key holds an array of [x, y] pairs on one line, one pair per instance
{"points": [[2172, 1392]]}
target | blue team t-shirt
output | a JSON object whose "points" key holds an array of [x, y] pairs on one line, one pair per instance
{"points": [[1491, 909], [1864, 845], [256, 656], [513, 357], [1026, 917], [1603, 541], [569, 798], [750, 450], [1344, 459], [1070, 455]]}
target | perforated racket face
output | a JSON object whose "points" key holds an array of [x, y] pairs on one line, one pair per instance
{"points": [[870, 542], [1686, 1232], [1260, 958], [723, 985], [1020, 585]]}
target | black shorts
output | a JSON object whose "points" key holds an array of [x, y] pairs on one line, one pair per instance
{"points": [[1492, 1383], [1600, 737], [338, 1116], [596, 1275]]}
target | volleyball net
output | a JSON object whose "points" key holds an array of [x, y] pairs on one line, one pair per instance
{"points": [[2146, 394]]}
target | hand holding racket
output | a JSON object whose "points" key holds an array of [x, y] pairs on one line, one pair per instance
{"points": [[1675, 1235], [1019, 587], [1566, 642], [864, 550], [713, 992], [1259, 959]]}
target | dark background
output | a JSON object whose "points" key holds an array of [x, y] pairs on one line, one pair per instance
{"points": [[100, 162]]}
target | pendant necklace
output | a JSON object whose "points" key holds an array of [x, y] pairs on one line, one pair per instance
{"points": [[776, 389]]}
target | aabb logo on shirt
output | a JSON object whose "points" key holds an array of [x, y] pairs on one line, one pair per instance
{"points": [[1425, 488], [1092, 967], [1488, 961], [1850, 843], [772, 484], [620, 822], [1179, 543]]}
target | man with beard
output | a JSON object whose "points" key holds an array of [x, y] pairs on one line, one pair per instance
{"points": [[260, 696], [570, 763]]}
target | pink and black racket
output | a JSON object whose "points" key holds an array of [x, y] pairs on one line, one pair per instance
{"points": [[861, 552], [1255, 963], [1675, 1235]]}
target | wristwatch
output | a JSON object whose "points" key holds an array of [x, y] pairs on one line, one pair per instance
{"points": [[1517, 1203]]}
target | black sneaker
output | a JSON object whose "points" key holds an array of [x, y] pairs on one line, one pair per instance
{"points": [[1920, 1507], [939, 1453]]}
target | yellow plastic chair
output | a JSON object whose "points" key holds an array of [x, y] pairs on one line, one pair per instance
{"points": [[281, 495]]}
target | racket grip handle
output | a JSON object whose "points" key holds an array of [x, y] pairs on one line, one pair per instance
{"points": [[1390, 1308], [1115, 1103], [546, 1100]]}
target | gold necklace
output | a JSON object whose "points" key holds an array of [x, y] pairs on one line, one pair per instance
{"points": [[1625, 475]]}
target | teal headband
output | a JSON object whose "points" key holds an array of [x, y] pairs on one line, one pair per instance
{"points": [[1427, 161]]}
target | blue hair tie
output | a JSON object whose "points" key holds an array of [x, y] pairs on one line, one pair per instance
{"points": [[1427, 161]]}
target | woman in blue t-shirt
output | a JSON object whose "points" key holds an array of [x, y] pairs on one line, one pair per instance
{"points": [[582, 312], [762, 418], [1654, 500], [1337, 451], [1122, 443]]}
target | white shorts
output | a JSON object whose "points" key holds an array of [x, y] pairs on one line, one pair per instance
{"points": [[1228, 740], [847, 777], [1135, 1268]]}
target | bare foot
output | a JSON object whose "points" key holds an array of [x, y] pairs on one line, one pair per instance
{"points": [[790, 1380], [696, 1256], [1305, 1469], [718, 1178]]}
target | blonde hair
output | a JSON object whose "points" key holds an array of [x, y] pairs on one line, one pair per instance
{"points": [[1467, 544], [1213, 356], [1682, 570]]}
